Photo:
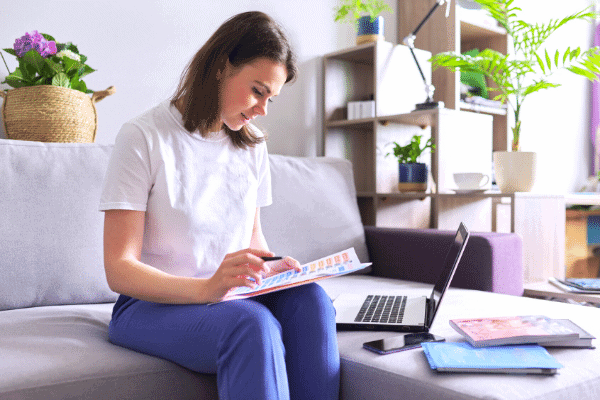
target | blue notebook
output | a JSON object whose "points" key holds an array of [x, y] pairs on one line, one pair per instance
{"points": [[462, 357]]}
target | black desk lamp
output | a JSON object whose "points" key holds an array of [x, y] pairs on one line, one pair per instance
{"points": [[410, 42]]}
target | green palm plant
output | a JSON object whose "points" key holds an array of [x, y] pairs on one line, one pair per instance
{"points": [[528, 67]]}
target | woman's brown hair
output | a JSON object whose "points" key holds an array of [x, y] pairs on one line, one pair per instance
{"points": [[240, 40]]}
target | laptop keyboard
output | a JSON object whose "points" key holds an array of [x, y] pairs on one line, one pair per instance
{"points": [[382, 309]]}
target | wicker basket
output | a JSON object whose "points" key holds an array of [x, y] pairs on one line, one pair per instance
{"points": [[51, 114]]}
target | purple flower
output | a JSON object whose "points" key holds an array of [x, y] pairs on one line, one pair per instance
{"points": [[34, 40]]}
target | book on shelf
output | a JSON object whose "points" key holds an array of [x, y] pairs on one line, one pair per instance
{"points": [[562, 285], [512, 330], [462, 357], [341, 263]]}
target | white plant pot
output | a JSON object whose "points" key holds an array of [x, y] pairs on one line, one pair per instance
{"points": [[515, 170]]}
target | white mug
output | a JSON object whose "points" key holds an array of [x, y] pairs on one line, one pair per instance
{"points": [[470, 180]]}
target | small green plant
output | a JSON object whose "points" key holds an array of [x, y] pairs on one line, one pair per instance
{"points": [[352, 10], [526, 69], [410, 153]]}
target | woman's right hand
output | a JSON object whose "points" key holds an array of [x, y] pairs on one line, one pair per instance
{"points": [[242, 268]]}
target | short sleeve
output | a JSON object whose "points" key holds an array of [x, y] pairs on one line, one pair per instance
{"points": [[264, 196], [127, 182]]}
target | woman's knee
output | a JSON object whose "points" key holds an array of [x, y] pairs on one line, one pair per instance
{"points": [[313, 299], [254, 325]]}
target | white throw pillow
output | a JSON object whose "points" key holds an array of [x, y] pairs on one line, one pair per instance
{"points": [[315, 210], [51, 230]]}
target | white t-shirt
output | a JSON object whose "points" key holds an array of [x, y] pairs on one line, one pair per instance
{"points": [[200, 194]]}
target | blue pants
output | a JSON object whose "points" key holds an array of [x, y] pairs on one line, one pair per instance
{"points": [[279, 345]]}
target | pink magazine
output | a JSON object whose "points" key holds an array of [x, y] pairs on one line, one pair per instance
{"points": [[512, 330]]}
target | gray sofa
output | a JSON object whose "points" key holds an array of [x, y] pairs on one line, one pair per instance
{"points": [[55, 304]]}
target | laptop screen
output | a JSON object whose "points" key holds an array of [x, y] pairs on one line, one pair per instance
{"points": [[452, 258]]}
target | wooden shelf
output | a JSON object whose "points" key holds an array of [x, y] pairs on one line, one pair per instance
{"points": [[349, 123], [470, 30], [482, 109], [422, 119], [361, 54]]}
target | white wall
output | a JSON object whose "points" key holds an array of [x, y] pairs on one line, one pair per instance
{"points": [[556, 122], [141, 47]]}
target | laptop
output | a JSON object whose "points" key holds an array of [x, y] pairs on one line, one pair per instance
{"points": [[395, 312]]}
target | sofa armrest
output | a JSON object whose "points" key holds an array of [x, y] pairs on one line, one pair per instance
{"points": [[491, 261]]}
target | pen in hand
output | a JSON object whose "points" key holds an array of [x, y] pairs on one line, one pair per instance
{"points": [[271, 258]]}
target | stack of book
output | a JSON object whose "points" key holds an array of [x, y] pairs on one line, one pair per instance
{"points": [[507, 345], [530, 329]]}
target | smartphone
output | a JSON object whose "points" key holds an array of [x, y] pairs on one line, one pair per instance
{"points": [[401, 343]]}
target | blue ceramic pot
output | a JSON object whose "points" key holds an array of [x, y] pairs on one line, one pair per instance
{"points": [[369, 31], [412, 177]]}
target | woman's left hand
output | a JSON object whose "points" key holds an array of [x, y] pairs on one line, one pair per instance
{"points": [[286, 264]]}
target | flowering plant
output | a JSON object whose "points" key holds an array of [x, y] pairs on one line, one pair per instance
{"points": [[43, 61]]}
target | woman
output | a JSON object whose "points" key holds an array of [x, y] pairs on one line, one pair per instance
{"points": [[182, 199]]}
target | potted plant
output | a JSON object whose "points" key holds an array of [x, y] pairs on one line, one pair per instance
{"points": [[412, 175], [525, 70], [49, 101], [365, 15]]}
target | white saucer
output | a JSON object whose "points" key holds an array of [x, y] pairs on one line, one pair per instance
{"points": [[468, 191]]}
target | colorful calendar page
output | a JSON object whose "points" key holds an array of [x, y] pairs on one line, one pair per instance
{"points": [[336, 264]]}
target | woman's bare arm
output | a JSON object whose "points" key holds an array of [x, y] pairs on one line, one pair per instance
{"points": [[126, 274]]}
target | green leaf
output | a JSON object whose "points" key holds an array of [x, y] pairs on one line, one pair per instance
{"points": [[61, 80], [78, 84], [541, 64], [566, 54], [85, 70], [15, 82], [548, 61], [34, 59], [48, 37], [70, 65], [54, 67], [579, 71], [29, 71], [12, 52]]}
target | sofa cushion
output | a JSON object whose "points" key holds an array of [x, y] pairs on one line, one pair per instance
{"points": [[61, 352], [314, 211], [51, 228]]}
